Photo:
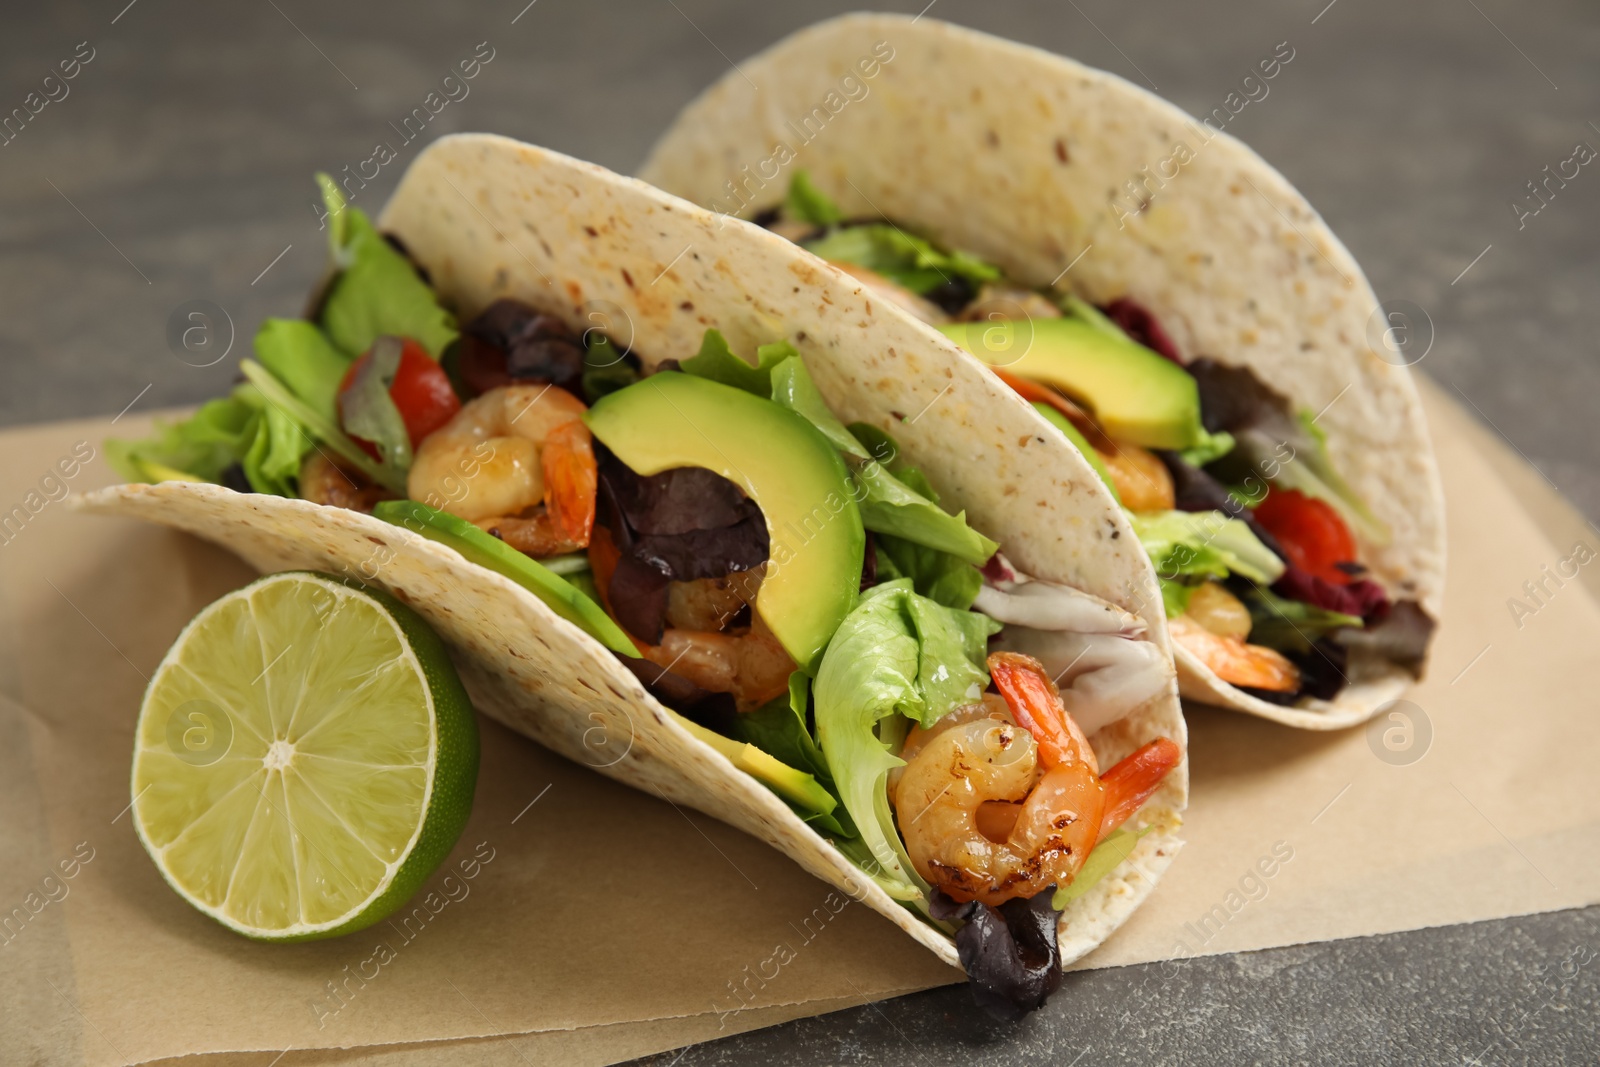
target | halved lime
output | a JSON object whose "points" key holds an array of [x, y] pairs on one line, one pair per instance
{"points": [[305, 757]]}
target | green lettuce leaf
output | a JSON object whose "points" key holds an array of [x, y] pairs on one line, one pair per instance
{"points": [[888, 503], [939, 576], [896, 657], [1290, 625], [911, 262], [278, 395], [198, 449], [954, 646], [1204, 544], [1211, 449], [272, 462], [716, 361], [1076, 307], [886, 450], [806, 203], [779, 729], [793, 388], [889, 506], [241, 428], [377, 291], [302, 358], [604, 369], [1175, 595], [882, 447]]}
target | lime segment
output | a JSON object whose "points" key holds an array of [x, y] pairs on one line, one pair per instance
{"points": [[305, 757]]}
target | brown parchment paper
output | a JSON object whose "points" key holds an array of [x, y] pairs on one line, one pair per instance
{"points": [[608, 924]]}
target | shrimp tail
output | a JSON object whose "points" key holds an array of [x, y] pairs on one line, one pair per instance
{"points": [[1036, 704], [1129, 784], [570, 481]]}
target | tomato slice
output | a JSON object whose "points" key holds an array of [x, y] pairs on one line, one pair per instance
{"points": [[421, 390], [1310, 531]]}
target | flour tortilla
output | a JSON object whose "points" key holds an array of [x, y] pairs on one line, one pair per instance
{"points": [[1024, 158], [489, 218]]}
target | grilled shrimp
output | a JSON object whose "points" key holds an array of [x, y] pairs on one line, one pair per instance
{"points": [[322, 481], [1233, 660], [752, 666], [747, 662], [518, 462], [1003, 798]]}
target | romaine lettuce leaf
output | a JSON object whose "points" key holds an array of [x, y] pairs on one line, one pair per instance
{"points": [[377, 291], [911, 262], [1204, 543], [896, 654]]}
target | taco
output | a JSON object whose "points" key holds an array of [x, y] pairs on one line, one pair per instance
{"points": [[1158, 292], [691, 510]]}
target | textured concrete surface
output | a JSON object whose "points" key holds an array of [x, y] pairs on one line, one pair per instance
{"points": [[177, 168]]}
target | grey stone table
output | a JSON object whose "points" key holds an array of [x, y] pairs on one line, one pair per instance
{"points": [[175, 168]]}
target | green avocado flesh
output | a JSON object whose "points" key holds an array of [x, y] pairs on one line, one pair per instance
{"points": [[781, 462], [1137, 396], [489, 551], [788, 782]]}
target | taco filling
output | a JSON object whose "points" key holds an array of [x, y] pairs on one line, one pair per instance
{"points": [[1255, 537], [788, 585]]}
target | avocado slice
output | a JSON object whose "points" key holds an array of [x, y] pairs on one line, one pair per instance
{"points": [[782, 462], [1137, 396], [793, 785], [489, 551]]}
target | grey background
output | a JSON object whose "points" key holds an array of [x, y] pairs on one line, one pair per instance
{"points": [[178, 168]]}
